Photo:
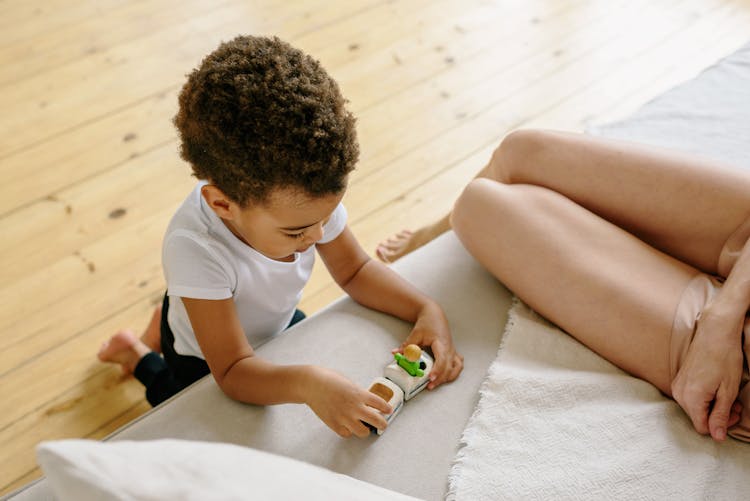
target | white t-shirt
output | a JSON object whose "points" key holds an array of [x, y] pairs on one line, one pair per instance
{"points": [[203, 259]]}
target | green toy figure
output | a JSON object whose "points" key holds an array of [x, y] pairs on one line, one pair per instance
{"points": [[409, 361]]}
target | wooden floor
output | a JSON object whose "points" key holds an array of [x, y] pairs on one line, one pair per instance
{"points": [[92, 175]]}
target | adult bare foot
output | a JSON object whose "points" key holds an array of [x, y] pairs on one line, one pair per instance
{"points": [[407, 241], [151, 337], [123, 348]]}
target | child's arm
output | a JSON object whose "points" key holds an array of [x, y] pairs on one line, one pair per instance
{"points": [[338, 402], [376, 286]]}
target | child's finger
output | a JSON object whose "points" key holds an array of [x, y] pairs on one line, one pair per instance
{"points": [[458, 366], [453, 369], [438, 377], [374, 418], [341, 431], [443, 364], [360, 429], [441, 358], [452, 372], [377, 402]]}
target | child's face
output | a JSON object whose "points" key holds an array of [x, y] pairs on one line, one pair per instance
{"points": [[290, 221]]}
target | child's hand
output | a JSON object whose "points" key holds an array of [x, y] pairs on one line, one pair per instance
{"points": [[431, 329], [342, 405]]}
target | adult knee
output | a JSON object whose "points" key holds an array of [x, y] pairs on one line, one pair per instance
{"points": [[516, 152], [476, 208]]}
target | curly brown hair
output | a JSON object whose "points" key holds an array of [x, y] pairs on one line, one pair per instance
{"points": [[258, 114]]}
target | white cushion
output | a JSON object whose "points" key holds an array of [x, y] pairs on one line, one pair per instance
{"points": [[180, 469]]}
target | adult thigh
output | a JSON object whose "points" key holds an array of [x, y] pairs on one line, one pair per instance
{"points": [[684, 205], [607, 288]]}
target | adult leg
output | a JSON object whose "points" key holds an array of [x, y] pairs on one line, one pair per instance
{"points": [[683, 205], [690, 208], [604, 286]]}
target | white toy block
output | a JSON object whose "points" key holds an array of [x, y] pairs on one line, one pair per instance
{"points": [[410, 384], [391, 393]]}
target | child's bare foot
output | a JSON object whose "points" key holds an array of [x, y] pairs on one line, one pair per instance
{"points": [[407, 241], [125, 349], [151, 337]]}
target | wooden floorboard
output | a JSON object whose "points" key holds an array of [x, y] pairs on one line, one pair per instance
{"points": [[92, 175]]}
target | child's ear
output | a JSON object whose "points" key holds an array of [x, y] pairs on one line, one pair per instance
{"points": [[219, 202]]}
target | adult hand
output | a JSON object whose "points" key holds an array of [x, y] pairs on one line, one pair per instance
{"points": [[431, 329], [707, 384], [343, 406]]}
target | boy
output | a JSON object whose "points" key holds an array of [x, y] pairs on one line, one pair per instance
{"points": [[265, 130]]}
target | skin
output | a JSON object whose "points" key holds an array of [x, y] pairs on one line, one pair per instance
{"points": [[631, 225], [291, 221], [126, 349]]}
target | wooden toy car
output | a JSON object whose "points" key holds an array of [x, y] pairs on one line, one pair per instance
{"points": [[404, 378]]}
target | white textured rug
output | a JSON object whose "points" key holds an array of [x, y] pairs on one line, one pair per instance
{"points": [[556, 421]]}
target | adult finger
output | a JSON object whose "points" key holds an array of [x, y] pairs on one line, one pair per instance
{"points": [[737, 407], [719, 418], [735, 414], [697, 410]]}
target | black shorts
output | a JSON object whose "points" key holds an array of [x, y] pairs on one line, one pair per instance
{"points": [[167, 374]]}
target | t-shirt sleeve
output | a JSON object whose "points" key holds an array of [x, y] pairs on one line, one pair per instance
{"points": [[335, 225], [192, 269]]}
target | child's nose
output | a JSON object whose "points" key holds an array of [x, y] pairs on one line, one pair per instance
{"points": [[315, 233]]}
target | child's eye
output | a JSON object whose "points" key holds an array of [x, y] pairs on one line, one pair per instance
{"points": [[295, 235]]}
